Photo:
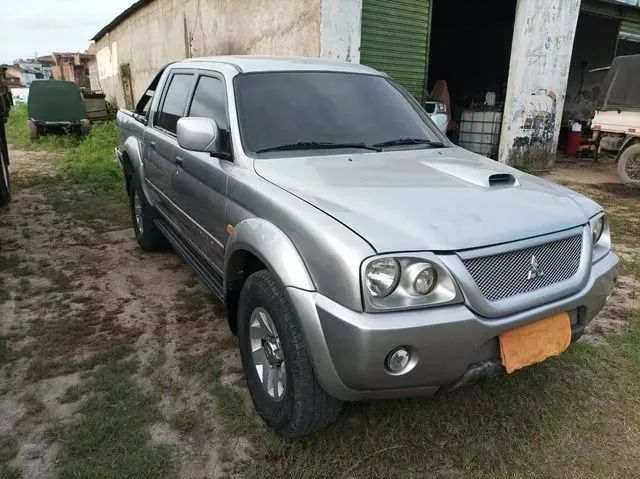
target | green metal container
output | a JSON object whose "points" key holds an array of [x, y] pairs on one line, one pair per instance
{"points": [[56, 106], [55, 101]]}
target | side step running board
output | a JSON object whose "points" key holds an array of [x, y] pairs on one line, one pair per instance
{"points": [[211, 278]]}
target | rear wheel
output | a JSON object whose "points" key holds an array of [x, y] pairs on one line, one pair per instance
{"points": [[5, 180], [85, 128], [34, 131], [143, 216], [629, 165], [280, 378]]}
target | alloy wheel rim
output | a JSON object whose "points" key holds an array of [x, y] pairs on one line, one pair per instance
{"points": [[137, 211], [267, 354]]}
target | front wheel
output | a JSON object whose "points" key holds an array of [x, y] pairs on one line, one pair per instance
{"points": [[629, 165], [280, 378], [34, 131]]}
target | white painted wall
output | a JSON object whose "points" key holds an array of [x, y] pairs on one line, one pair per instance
{"points": [[340, 30], [540, 57]]}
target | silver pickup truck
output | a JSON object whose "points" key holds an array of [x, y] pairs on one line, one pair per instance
{"points": [[360, 254]]}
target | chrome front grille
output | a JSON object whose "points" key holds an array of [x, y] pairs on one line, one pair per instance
{"points": [[508, 274]]}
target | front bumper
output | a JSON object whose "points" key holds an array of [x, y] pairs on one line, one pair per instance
{"points": [[348, 348]]}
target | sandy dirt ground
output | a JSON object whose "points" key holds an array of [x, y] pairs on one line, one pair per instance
{"points": [[53, 268]]}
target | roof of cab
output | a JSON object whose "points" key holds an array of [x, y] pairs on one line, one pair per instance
{"points": [[246, 64]]}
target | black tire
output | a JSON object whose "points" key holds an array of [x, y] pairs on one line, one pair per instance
{"points": [[304, 406], [85, 128], [34, 131], [5, 179], [629, 165], [148, 236]]}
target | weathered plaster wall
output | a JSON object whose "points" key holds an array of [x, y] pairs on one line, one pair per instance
{"points": [[170, 30], [539, 68], [340, 30]]}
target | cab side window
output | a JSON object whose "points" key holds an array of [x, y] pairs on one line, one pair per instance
{"points": [[175, 102], [210, 101]]}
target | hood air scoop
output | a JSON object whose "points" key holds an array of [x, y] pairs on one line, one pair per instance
{"points": [[472, 174], [502, 179]]}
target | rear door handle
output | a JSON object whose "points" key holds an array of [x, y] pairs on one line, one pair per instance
{"points": [[152, 145], [179, 161]]}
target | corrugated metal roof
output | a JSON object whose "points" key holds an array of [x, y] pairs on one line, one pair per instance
{"points": [[121, 18]]}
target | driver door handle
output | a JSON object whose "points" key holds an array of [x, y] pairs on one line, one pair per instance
{"points": [[152, 144], [179, 161]]}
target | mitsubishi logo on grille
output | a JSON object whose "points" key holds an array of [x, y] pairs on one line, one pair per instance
{"points": [[535, 271]]}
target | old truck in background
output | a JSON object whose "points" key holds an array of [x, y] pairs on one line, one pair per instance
{"points": [[616, 123], [56, 106], [6, 102]]}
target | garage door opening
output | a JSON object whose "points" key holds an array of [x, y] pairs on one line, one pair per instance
{"points": [[470, 51]]}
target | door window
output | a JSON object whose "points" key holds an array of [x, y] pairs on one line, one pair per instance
{"points": [[175, 102], [210, 101]]}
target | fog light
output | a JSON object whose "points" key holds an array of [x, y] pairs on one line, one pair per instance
{"points": [[398, 359]]}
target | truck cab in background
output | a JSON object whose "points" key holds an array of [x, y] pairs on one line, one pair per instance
{"points": [[616, 123], [6, 102]]}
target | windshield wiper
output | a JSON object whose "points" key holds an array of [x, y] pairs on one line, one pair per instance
{"points": [[317, 145], [410, 141]]}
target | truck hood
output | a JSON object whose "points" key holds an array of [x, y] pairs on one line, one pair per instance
{"points": [[429, 199]]}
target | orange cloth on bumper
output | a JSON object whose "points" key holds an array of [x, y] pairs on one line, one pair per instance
{"points": [[535, 342]]}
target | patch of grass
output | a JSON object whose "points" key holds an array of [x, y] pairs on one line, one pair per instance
{"points": [[72, 394], [24, 285], [7, 472], [230, 403], [624, 230], [4, 291], [64, 335], [8, 448], [59, 280], [194, 301], [4, 352], [112, 439], [32, 403], [18, 135], [185, 420], [16, 266]]}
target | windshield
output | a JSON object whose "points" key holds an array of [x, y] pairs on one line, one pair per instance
{"points": [[290, 111]]}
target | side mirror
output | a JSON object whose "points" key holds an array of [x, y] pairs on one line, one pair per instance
{"points": [[198, 134]]}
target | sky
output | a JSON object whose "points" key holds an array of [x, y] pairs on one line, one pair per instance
{"points": [[28, 27]]}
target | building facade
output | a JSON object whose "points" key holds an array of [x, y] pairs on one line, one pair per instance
{"points": [[70, 66], [505, 66]]}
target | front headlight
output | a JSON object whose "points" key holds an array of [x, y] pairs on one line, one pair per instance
{"points": [[598, 228], [601, 237], [382, 277], [426, 280], [413, 281]]}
